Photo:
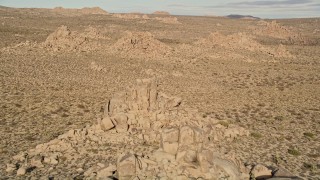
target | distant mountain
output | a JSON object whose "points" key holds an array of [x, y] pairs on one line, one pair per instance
{"points": [[3, 6], [237, 16]]}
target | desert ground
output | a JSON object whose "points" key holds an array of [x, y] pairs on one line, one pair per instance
{"points": [[59, 68]]}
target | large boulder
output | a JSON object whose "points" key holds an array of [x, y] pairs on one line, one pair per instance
{"points": [[126, 166]]}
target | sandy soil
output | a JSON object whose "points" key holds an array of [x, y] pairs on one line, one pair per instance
{"points": [[231, 70]]}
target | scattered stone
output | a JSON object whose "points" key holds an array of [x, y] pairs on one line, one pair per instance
{"points": [[21, 171], [168, 20], [106, 123], [126, 166], [10, 168], [170, 147], [281, 172], [52, 159], [121, 122], [186, 136], [21, 157], [170, 135], [260, 171], [106, 172], [37, 162]]}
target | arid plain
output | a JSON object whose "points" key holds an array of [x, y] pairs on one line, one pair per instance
{"points": [[59, 68]]}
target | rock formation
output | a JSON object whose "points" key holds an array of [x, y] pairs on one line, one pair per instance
{"points": [[83, 11], [144, 44], [127, 16], [273, 29], [161, 13], [63, 39], [287, 34], [242, 41], [181, 141], [168, 20]]}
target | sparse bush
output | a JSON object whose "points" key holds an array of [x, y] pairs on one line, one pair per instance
{"points": [[256, 135], [279, 118], [308, 134], [224, 123], [294, 152], [310, 167]]}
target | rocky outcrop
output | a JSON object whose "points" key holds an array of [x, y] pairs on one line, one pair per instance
{"points": [[240, 42], [168, 20], [143, 134], [137, 44], [63, 39], [161, 13], [289, 35], [83, 11]]}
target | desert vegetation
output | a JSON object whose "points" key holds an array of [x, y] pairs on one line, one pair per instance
{"points": [[215, 97]]}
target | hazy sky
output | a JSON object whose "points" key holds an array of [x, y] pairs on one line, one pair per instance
{"points": [[260, 8]]}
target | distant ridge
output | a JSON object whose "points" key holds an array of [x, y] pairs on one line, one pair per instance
{"points": [[4, 7], [161, 13], [237, 16]]}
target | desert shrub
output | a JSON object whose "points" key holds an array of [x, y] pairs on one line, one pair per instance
{"points": [[294, 152], [279, 118], [309, 166], [256, 135], [308, 134], [224, 123]]}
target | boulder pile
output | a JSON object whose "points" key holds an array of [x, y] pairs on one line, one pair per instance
{"points": [[63, 39], [143, 133], [128, 16], [241, 41], [273, 29], [144, 44], [288, 35], [168, 20], [83, 11], [161, 13]]}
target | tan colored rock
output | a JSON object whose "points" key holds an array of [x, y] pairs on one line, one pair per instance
{"points": [[10, 168], [204, 158], [160, 155], [170, 147], [117, 104], [170, 135], [106, 123], [148, 161], [194, 172], [126, 166], [223, 168], [91, 171], [187, 153], [52, 159], [21, 171], [20, 157], [106, 172], [121, 122], [37, 162], [186, 135], [182, 177], [260, 171], [282, 172]]}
